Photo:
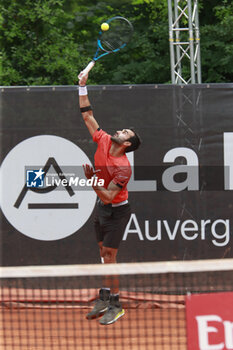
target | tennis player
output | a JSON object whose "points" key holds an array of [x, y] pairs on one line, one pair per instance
{"points": [[113, 209]]}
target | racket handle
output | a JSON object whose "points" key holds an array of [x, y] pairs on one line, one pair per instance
{"points": [[88, 67]]}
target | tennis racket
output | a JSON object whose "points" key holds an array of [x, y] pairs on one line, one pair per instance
{"points": [[112, 40]]}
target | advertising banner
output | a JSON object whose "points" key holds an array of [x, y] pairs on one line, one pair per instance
{"points": [[180, 190], [210, 321]]}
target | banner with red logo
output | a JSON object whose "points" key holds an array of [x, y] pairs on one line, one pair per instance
{"points": [[210, 321]]}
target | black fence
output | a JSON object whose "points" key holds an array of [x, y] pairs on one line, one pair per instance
{"points": [[181, 186]]}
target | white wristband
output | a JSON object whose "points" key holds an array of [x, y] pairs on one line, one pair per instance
{"points": [[82, 90]]}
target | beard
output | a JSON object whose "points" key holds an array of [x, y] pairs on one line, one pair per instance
{"points": [[116, 139]]}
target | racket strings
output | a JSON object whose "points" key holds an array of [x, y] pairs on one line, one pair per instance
{"points": [[117, 36], [114, 44]]}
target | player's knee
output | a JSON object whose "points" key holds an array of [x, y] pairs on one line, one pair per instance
{"points": [[109, 255], [108, 259]]}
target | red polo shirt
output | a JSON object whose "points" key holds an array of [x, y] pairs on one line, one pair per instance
{"points": [[116, 169]]}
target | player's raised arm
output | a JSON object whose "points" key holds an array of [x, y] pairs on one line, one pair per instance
{"points": [[85, 105]]}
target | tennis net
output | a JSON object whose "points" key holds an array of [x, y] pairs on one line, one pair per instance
{"points": [[45, 307]]}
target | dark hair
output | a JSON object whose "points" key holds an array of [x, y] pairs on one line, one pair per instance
{"points": [[135, 142]]}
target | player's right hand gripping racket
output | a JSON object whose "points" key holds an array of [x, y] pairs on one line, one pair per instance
{"points": [[112, 40]]}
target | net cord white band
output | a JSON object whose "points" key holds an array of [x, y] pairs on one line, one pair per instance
{"points": [[122, 268]]}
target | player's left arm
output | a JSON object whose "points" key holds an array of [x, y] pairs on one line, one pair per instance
{"points": [[106, 195]]}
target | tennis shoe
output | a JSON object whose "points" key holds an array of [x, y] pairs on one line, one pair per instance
{"points": [[112, 314], [98, 310], [101, 305]]}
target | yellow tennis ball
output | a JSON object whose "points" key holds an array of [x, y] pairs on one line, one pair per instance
{"points": [[105, 26]]}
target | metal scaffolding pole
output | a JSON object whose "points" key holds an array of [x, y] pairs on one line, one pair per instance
{"points": [[184, 41]]}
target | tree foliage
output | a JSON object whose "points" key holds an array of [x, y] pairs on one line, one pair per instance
{"points": [[47, 42], [217, 45], [38, 46]]}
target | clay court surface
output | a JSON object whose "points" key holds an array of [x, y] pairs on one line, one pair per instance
{"points": [[68, 329]]}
